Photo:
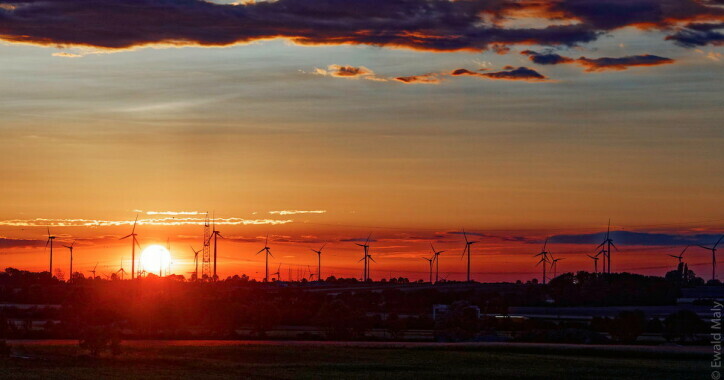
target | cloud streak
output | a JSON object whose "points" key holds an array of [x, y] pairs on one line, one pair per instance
{"points": [[168, 221], [510, 73], [598, 64], [296, 212]]}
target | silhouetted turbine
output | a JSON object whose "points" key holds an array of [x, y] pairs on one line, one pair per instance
{"points": [[70, 248], [544, 259], [196, 261], [134, 243], [609, 243], [365, 258], [50, 241], [713, 256], [266, 256], [595, 262], [319, 261], [214, 234], [430, 261], [466, 250], [436, 258], [680, 257]]}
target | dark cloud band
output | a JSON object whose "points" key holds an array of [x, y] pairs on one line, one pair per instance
{"points": [[434, 25]]}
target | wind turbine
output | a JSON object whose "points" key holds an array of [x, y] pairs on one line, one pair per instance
{"points": [[94, 271], [595, 262], [196, 261], [467, 250], [544, 259], [50, 241], [311, 274], [214, 234], [278, 272], [436, 258], [319, 261], [267, 253], [680, 257], [554, 265], [121, 271], [70, 248], [134, 243], [712, 249], [607, 244], [368, 265], [430, 261], [366, 248]]}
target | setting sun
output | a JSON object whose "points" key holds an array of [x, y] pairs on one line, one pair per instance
{"points": [[155, 259]]}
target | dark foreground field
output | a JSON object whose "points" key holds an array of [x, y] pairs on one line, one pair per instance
{"points": [[167, 360]]}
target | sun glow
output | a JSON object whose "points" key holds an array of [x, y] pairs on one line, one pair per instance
{"points": [[156, 259]]}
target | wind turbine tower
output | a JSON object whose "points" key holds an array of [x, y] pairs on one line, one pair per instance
{"points": [[466, 251], [215, 234], [196, 262], [430, 261], [607, 244], [543, 259], [50, 241], [267, 253], [134, 244], [366, 248], [319, 261], [436, 258], [712, 249], [70, 248]]}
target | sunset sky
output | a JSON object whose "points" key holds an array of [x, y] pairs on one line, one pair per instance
{"points": [[325, 120]]}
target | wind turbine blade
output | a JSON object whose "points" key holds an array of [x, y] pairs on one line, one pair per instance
{"points": [[699, 245], [465, 235], [372, 259], [260, 251], [614, 246], [718, 241], [322, 247], [545, 243], [674, 256], [125, 237]]}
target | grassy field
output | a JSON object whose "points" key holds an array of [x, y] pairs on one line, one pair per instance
{"points": [[280, 361]]}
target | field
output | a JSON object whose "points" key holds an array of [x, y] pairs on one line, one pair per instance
{"points": [[287, 360]]}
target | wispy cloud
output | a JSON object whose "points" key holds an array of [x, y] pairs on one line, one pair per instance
{"points": [[295, 212], [349, 72], [175, 213], [168, 221]]}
